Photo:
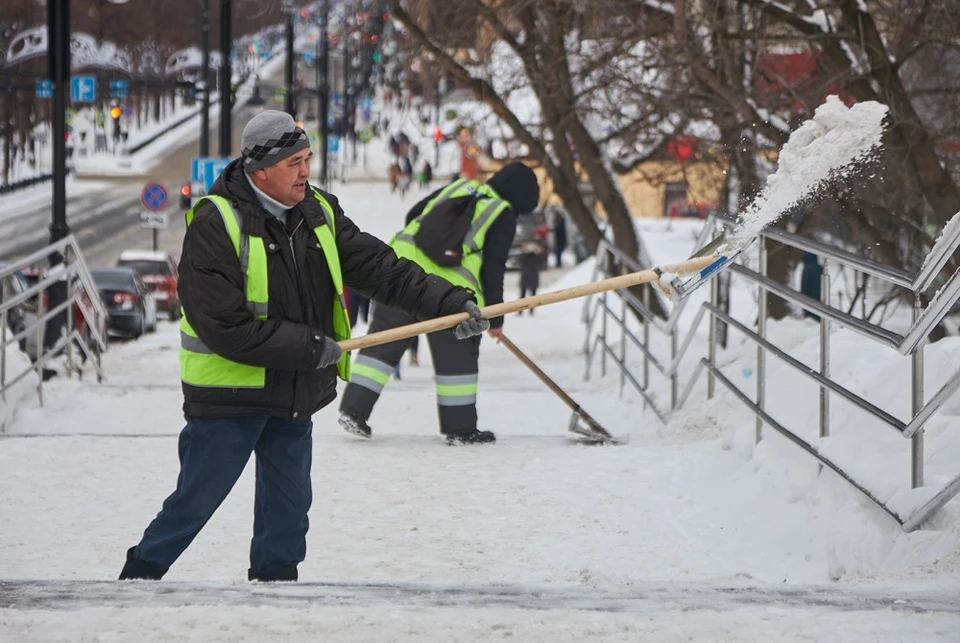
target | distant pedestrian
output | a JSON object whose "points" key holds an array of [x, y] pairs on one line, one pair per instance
{"points": [[559, 236], [425, 175], [393, 176], [531, 261], [406, 174], [810, 278]]}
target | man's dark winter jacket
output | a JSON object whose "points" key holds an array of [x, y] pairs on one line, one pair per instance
{"points": [[301, 299], [496, 250]]}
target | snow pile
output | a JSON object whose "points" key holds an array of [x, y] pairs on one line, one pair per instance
{"points": [[842, 528], [834, 138], [21, 393]]}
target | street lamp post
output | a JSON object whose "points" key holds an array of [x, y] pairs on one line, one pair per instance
{"points": [[346, 86], [58, 56], [205, 75], [323, 91], [288, 103], [58, 69], [226, 100]]}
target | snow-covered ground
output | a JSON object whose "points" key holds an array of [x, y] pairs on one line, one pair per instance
{"points": [[684, 533]]}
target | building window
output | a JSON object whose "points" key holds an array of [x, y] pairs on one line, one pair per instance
{"points": [[676, 194]]}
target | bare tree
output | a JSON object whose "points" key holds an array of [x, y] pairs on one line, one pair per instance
{"points": [[529, 39]]}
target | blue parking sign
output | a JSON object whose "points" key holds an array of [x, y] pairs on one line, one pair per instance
{"points": [[45, 88], [83, 89], [211, 170], [119, 88], [206, 169]]}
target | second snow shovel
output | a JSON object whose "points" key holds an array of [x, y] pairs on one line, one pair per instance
{"points": [[590, 427]]}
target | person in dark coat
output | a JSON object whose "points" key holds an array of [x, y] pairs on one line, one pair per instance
{"points": [[531, 261], [810, 279], [262, 272], [559, 237]]}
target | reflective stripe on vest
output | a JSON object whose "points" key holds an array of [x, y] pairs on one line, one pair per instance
{"points": [[488, 207], [200, 366]]}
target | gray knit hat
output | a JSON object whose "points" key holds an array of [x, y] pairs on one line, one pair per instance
{"points": [[270, 137]]}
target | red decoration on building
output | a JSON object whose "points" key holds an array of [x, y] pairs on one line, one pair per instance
{"points": [[682, 148]]}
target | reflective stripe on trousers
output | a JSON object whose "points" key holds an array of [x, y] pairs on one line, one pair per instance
{"points": [[370, 373], [457, 390]]}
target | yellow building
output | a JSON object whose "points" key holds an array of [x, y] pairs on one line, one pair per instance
{"points": [[650, 189]]}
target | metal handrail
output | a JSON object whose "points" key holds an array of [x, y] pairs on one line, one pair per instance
{"points": [[803, 444], [862, 264], [934, 313], [865, 328], [74, 272], [805, 370], [910, 344], [635, 266]]}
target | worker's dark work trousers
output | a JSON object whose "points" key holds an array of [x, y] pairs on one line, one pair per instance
{"points": [[454, 364], [213, 454]]}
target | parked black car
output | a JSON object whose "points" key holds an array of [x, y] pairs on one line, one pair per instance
{"points": [[132, 310]]}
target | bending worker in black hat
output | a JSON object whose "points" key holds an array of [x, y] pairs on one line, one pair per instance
{"points": [[462, 233], [266, 257]]}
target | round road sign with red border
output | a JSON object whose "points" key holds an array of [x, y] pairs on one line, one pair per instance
{"points": [[154, 196]]}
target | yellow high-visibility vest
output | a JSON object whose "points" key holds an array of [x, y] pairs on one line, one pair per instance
{"points": [[200, 366]]}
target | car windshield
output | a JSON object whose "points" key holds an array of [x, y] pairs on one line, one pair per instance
{"points": [[113, 279], [144, 267]]}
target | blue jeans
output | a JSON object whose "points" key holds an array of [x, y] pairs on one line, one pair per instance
{"points": [[213, 453]]}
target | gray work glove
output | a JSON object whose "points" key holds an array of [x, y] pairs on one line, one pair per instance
{"points": [[329, 354], [473, 326]]}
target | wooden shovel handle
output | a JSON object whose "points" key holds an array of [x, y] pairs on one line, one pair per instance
{"points": [[496, 310]]}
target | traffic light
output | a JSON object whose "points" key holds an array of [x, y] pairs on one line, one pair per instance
{"points": [[437, 134], [115, 113]]}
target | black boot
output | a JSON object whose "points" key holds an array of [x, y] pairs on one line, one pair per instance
{"points": [[136, 569], [274, 574], [355, 426], [472, 437]]}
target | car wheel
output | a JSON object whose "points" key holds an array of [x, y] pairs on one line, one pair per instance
{"points": [[175, 313]]}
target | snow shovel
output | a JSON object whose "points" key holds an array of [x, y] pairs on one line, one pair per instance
{"points": [[590, 427], [678, 286], [703, 266]]}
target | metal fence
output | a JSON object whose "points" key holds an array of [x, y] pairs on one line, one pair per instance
{"points": [[599, 312], [83, 337]]}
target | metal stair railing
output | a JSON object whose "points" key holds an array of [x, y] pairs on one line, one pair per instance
{"points": [[611, 261], [83, 300]]}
